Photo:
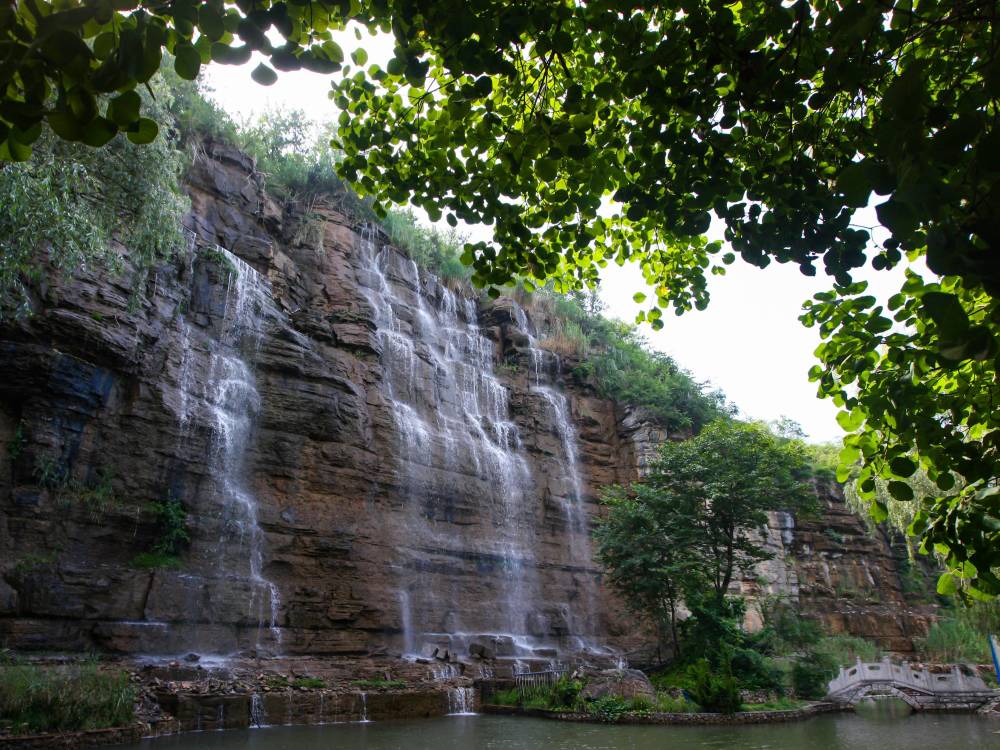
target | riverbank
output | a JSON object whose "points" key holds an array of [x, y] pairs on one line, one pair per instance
{"points": [[688, 718]]}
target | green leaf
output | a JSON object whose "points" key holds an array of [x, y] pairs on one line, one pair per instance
{"points": [[546, 169], [144, 131], [855, 184], [899, 217], [123, 110], [210, 22], [947, 585], [851, 420], [12, 150], [264, 75], [359, 56], [99, 131], [187, 61], [639, 297], [946, 310]]}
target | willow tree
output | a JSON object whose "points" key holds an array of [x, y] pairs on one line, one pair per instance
{"points": [[611, 131]]}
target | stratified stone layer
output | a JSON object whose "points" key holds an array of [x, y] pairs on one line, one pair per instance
{"points": [[104, 410]]}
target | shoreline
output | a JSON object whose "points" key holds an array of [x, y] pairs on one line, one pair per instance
{"points": [[696, 718]]}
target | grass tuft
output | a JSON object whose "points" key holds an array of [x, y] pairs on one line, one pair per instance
{"points": [[36, 699]]}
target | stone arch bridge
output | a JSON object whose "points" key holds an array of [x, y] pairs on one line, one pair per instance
{"points": [[958, 689]]}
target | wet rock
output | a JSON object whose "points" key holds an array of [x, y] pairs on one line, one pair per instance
{"points": [[624, 683], [109, 380]]}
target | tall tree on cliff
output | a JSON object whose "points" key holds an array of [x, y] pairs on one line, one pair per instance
{"points": [[780, 119], [645, 545], [698, 518]]}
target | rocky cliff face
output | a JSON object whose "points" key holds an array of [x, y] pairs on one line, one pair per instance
{"points": [[369, 462]]}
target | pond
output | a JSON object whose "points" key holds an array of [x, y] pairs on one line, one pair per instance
{"points": [[479, 732]]}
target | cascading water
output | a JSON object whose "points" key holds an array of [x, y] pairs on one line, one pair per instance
{"points": [[451, 413], [461, 701], [258, 715], [234, 403], [543, 379], [228, 402]]}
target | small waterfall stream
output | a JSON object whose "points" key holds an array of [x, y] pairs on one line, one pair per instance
{"points": [[235, 402], [224, 397], [543, 383]]}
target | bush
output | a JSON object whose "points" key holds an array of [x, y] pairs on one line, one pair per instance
{"points": [[954, 640], [609, 709], [713, 692], [511, 697], [617, 359], [564, 692], [668, 704], [753, 671], [47, 699], [847, 649], [642, 704], [69, 200], [811, 674]]}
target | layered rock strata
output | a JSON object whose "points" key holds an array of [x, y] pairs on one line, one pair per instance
{"points": [[369, 464]]}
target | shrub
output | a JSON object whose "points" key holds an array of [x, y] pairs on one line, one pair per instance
{"points": [[668, 704], [66, 698], [609, 709], [564, 692], [811, 675], [171, 527], [641, 703], [69, 200], [509, 697], [954, 640], [755, 672], [713, 692], [847, 649], [781, 704]]}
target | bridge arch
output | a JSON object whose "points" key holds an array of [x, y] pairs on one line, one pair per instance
{"points": [[883, 690]]}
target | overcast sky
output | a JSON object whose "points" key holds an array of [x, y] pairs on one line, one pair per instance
{"points": [[748, 342]]}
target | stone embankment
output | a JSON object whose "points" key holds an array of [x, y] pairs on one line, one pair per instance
{"points": [[694, 718]]}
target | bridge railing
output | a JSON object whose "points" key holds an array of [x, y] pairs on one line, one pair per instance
{"points": [[906, 675]]}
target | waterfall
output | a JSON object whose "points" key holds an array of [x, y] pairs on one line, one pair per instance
{"points": [[364, 708], [234, 403], [451, 414], [228, 403], [574, 507], [258, 715], [461, 701]]}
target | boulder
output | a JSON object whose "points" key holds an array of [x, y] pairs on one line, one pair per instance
{"points": [[623, 683]]}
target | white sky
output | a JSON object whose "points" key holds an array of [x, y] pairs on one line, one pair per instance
{"points": [[748, 342]]}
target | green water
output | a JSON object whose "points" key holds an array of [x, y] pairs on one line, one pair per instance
{"points": [[831, 732]]}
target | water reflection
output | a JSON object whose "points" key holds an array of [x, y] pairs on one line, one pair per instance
{"points": [[835, 732], [883, 709]]}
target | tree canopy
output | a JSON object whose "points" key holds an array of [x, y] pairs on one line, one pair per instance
{"points": [[696, 520], [608, 131]]}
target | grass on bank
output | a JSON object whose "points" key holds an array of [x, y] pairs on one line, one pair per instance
{"points": [[35, 699]]}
